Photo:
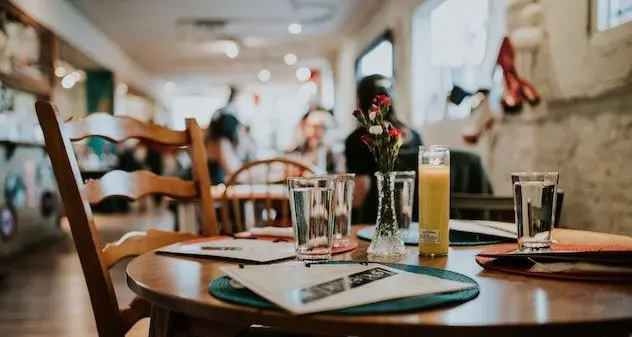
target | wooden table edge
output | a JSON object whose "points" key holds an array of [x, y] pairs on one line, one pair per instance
{"points": [[336, 324]]}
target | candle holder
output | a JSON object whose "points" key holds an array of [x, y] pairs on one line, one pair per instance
{"points": [[434, 200]]}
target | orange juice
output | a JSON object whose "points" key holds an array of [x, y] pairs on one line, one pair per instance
{"points": [[434, 210]]}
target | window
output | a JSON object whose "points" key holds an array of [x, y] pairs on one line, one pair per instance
{"points": [[377, 58], [449, 48], [612, 13], [201, 108]]}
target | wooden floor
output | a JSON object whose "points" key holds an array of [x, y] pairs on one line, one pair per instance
{"points": [[45, 293]]}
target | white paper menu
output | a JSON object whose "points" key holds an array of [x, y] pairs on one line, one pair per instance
{"points": [[302, 290], [244, 250], [493, 228]]}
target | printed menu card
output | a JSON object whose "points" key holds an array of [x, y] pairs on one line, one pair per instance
{"points": [[244, 250], [300, 289]]}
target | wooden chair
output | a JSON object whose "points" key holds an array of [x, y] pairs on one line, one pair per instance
{"points": [[261, 183], [77, 197]]}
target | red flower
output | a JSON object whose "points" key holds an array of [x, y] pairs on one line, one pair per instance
{"points": [[357, 113], [366, 139], [383, 100], [396, 133]]}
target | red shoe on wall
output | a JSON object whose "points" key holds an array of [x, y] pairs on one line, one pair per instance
{"points": [[516, 88]]}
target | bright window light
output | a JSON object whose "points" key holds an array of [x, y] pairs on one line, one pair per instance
{"points": [[613, 13], [378, 61]]}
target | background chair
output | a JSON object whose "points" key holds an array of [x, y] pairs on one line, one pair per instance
{"points": [[77, 197], [256, 194]]}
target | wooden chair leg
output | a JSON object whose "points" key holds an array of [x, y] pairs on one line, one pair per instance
{"points": [[162, 323]]}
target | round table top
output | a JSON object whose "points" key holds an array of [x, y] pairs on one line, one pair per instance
{"points": [[507, 303]]}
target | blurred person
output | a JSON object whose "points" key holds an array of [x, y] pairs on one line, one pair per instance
{"points": [[228, 145], [359, 159], [315, 147]]}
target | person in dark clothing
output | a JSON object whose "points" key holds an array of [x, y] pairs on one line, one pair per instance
{"points": [[228, 146], [359, 158]]}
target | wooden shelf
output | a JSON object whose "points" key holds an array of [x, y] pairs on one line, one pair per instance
{"points": [[33, 85]]}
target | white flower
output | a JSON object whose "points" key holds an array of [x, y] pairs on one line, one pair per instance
{"points": [[376, 130], [372, 115]]}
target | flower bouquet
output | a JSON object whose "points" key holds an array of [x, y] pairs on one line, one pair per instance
{"points": [[384, 141]]}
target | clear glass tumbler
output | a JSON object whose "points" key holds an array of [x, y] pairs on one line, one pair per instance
{"points": [[312, 210], [343, 202], [534, 204], [404, 194]]}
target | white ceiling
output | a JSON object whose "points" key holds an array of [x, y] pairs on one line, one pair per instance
{"points": [[160, 37]]}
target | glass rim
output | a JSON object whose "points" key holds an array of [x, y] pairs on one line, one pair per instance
{"points": [[344, 175], [310, 178], [534, 173], [410, 172], [434, 147]]}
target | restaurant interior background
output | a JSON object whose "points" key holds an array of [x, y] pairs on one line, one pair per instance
{"points": [[163, 61]]}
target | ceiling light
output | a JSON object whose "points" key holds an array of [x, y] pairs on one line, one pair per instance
{"points": [[295, 28], [264, 75], [290, 59], [68, 81], [78, 75], [231, 49], [61, 71], [121, 88], [170, 87], [303, 74]]}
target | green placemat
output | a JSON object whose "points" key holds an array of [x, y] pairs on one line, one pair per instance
{"points": [[221, 288], [457, 238]]}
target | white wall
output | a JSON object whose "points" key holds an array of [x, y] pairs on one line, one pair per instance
{"points": [[68, 23], [584, 65], [395, 15]]}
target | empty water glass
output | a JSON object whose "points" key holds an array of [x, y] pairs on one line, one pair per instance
{"points": [[404, 194], [343, 202], [534, 205], [312, 205]]}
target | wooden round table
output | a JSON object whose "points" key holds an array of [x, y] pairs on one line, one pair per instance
{"points": [[508, 305]]}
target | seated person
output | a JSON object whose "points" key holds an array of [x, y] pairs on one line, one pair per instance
{"points": [[359, 158], [314, 147]]}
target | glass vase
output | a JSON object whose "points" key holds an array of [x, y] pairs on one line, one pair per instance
{"points": [[387, 241]]}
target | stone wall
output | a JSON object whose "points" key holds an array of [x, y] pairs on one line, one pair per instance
{"points": [[589, 141]]}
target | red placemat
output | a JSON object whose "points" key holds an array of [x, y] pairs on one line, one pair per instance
{"points": [[353, 243], [523, 268]]}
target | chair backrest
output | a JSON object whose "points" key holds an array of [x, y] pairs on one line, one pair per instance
{"points": [[261, 186], [77, 198]]}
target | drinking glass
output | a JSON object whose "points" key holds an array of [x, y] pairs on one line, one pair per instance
{"points": [[534, 204], [311, 206], [434, 200], [404, 194], [343, 201]]}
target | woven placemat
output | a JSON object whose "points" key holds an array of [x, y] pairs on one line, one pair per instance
{"points": [[221, 289], [457, 238], [524, 268]]}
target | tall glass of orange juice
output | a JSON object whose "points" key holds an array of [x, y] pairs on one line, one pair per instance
{"points": [[434, 200]]}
